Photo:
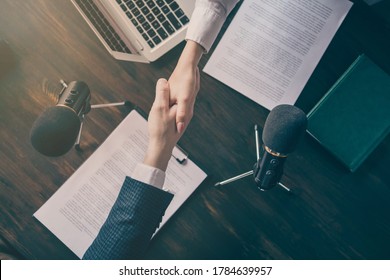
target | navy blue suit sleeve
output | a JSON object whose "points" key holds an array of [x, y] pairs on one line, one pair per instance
{"points": [[131, 222]]}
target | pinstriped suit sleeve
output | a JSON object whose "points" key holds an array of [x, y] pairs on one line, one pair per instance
{"points": [[131, 223]]}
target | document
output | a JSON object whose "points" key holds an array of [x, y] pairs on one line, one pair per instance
{"points": [[271, 48], [76, 212]]}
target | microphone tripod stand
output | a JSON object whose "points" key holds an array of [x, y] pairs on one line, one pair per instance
{"points": [[86, 109], [257, 166]]}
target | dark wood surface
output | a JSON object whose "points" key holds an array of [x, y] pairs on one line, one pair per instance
{"points": [[334, 214]]}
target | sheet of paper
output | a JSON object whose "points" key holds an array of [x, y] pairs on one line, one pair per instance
{"points": [[76, 212], [271, 48]]}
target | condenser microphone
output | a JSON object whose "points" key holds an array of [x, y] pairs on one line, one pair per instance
{"points": [[56, 129], [283, 129]]}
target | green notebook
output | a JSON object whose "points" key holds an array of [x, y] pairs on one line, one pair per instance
{"points": [[354, 115]]}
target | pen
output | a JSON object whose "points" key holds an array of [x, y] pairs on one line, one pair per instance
{"points": [[234, 178]]}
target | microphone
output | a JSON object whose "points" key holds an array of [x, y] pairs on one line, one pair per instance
{"points": [[56, 129], [283, 129]]}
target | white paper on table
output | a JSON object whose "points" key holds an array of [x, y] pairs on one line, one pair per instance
{"points": [[76, 212], [271, 48]]}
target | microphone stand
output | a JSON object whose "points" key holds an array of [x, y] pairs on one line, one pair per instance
{"points": [[86, 109], [251, 172]]}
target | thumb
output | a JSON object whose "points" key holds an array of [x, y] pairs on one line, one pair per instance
{"points": [[183, 114], [162, 93]]}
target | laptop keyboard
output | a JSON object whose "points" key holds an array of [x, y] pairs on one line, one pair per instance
{"points": [[155, 20], [104, 28]]}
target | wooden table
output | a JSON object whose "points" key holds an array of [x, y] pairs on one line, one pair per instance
{"points": [[335, 214]]}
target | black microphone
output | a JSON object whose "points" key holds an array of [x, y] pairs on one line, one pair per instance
{"points": [[283, 129], [56, 130]]}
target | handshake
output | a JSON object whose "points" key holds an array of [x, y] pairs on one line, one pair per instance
{"points": [[171, 112], [173, 107]]}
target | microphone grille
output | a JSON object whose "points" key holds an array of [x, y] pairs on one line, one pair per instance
{"points": [[283, 128], [55, 131]]}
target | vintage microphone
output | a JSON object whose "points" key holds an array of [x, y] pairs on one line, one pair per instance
{"points": [[59, 128], [283, 129]]}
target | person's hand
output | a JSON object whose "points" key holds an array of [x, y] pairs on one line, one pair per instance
{"points": [[184, 84], [163, 135]]}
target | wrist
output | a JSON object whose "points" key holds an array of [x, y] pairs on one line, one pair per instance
{"points": [[157, 158], [191, 54]]}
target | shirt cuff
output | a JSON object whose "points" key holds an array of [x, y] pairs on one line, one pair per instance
{"points": [[149, 175], [207, 20], [204, 26]]}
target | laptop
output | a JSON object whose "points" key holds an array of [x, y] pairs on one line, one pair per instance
{"points": [[137, 30]]}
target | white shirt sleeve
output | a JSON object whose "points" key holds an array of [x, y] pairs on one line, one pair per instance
{"points": [[149, 175], [207, 20]]}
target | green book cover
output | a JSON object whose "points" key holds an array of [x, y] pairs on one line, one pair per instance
{"points": [[354, 115]]}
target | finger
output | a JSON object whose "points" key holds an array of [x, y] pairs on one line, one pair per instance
{"points": [[183, 109], [162, 93], [173, 111]]}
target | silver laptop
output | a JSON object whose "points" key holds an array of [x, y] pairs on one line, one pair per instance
{"points": [[137, 30]]}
